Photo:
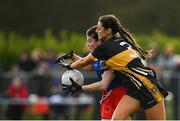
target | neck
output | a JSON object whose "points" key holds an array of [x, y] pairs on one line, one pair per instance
{"points": [[108, 37]]}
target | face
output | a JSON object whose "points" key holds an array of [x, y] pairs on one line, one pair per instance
{"points": [[91, 43], [103, 33], [16, 83]]}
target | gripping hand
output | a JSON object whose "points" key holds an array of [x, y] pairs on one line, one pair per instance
{"points": [[65, 56], [64, 64], [73, 88]]}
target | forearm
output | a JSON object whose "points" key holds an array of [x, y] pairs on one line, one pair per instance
{"points": [[94, 87], [82, 62], [100, 85], [77, 57]]}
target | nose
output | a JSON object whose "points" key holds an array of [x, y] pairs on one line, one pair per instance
{"points": [[87, 44], [97, 30]]}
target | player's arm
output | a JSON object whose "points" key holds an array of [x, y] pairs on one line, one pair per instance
{"points": [[76, 57], [92, 56], [82, 62], [97, 86], [101, 85]]}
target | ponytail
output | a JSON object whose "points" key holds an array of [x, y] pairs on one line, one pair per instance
{"points": [[110, 21], [127, 36]]}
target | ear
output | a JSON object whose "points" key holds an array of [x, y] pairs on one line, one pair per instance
{"points": [[109, 30]]}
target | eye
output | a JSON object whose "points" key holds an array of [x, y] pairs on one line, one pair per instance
{"points": [[97, 29]]}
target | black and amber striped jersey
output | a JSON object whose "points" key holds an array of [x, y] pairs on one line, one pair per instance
{"points": [[120, 55]]}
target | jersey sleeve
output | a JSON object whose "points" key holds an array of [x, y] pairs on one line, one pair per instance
{"points": [[98, 52]]}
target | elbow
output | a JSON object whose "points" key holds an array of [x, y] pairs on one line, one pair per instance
{"points": [[103, 87], [82, 62]]}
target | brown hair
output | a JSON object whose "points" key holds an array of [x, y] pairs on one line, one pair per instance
{"points": [[92, 32], [110, 21]]}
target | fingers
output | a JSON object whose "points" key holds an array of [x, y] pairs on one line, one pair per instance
{"points": [[65, 89], [65, 56], [63, 63], [64, 85], [69, 55], [69, 91], [59, 59], [73, 82]]}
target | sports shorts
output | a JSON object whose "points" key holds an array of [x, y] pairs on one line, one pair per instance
{"points": [[110, 100], [148, 97]]}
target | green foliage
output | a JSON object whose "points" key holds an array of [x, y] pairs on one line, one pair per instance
{"points": [[12, 44], [71, 41], [160, 38]]}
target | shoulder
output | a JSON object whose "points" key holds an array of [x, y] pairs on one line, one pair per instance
{"points": [[99, 50]]}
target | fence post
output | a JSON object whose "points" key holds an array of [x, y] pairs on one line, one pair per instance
{"points": [[178, 94]]}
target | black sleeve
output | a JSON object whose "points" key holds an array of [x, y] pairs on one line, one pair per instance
{"points": [[98, 52]]}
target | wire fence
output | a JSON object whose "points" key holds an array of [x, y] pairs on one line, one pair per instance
{"points": [[55, 98]]}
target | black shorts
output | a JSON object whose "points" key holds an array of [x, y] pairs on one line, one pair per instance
{"points": [[147, 97]]}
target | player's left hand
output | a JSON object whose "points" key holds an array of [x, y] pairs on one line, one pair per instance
{"points": [[68, 55], [73, 88]]}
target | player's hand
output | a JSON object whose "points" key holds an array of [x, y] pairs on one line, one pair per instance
{"points": [[73, 88], [64, 64], [68, 55]]}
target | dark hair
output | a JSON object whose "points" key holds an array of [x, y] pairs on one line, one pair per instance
{"points": [[92, 32], [110, 21]]}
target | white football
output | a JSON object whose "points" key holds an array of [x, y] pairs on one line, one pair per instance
{"points": [[75, 75]]}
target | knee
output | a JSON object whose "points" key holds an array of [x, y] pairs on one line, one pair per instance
{"points": [[123, 115]]}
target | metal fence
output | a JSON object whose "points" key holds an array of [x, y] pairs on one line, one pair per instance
{"points": [[173, 82]]}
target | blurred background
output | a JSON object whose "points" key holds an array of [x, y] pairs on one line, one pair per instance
{"points": [[33, 33]]}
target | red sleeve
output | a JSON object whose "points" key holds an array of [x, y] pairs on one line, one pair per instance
{"points": [[24, 92]]}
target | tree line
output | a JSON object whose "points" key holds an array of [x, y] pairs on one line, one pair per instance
{"points": [[33, 17]]}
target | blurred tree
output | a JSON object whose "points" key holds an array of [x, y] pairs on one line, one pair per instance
{"points": [[141, 16]]}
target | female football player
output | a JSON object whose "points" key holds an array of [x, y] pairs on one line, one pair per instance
{"points": [[123, 54], [113, 92]]}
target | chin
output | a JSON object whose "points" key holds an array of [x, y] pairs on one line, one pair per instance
{"points": [[101, 39]]}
